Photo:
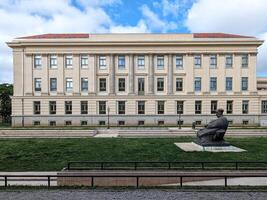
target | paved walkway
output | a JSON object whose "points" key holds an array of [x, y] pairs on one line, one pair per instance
{"points": [[140, 194], [145, 132]]}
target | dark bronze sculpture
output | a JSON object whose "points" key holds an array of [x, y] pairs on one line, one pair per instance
{"points": [[213, 133]]}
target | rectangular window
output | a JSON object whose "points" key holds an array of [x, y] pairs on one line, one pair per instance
{"points": [[102, 107], [213, 107], [141, 122], [229, 107], [245, 122], [244, 83], [213, 83], [244, 60], [68, 123], [36, 123], [197, 83], [52, 107], [69, 84], [36, 107], [161, 122], [84, 107], [141, 107], [264, 106], [197, 61], [160, 62], [213, 61], [102, 85], [52, 123], [160, 84], [180, 107], [37, 61], [198, 107], [53, 84], [102, 123], [141, 62], [179, 62], [121, 123], [121, 62], [84, 84], [229, 61], [121, 85], [53, 61], [102, 62], [37, 84], [245, 107], [179, 84], [161, 107], [68, 61], [141, 86], [83, 123], [229, 84], [84, 61], [121, 107], [68, 107]]}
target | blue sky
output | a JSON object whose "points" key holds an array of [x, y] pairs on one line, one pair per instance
{"points": [[28, 17]]}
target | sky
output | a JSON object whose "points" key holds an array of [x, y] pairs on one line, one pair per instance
{"points": [[29, 17]]}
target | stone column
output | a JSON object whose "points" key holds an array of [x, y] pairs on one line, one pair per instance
{"points": [[112, 75], [94, 75], [170, 74], [151, 74], [131, 74]]}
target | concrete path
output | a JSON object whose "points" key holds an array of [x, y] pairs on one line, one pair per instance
{"points": [[128, 133], [129, 194]]}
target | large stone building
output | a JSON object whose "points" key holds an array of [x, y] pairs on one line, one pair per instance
{"points": [[135, 79]]}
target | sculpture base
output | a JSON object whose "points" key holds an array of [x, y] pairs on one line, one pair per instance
{"points": [[192, 146], [206, 143]]}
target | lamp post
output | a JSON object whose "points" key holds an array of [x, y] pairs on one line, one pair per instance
{"points": [[108, 117]]}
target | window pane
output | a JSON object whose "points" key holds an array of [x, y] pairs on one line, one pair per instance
{"points": [[160, 62]]}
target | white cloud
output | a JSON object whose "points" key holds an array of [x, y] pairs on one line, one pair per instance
{"points": [[168, 7], [141, 27], [99, 2], [153, 21], [232, 16]]}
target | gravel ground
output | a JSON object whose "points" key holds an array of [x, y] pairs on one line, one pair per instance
{"points": [[146, 194]]}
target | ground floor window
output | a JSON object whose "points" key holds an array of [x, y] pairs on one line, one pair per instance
{"points": [[197, 107], [83, 123], [198, 122], [102, 123], [36, 123], [121, 123], [52, 123], [245, 107], [229, 107], [68, 123], [161, 122], [141, 123], [230, 122], [264, 106], [84, 107], [68, 107], [161, 107], [245, 122], [213, 107]]}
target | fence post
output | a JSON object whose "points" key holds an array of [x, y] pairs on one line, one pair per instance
{"points": [[5, 181], [92, 181], [225, 181], [236, 165], [68, 166], [169, 165], [102, 165], [202, 165], [181, 181], [48, 179], [137, 182], [135, 165]]}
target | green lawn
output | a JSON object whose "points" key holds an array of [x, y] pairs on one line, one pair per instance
{"points": [[53, 154]]}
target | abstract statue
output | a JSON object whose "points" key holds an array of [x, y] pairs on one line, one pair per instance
{"points": [[213, 133]]}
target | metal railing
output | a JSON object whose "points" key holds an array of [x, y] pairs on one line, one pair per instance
{"points": [[136, 165], [136, 177]]}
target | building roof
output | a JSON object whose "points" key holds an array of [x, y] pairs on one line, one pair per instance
{"points": [[219, 35], [86, 35], [56, 36]]}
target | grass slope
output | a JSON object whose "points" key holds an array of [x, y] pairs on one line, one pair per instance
{"points": [[53, 154]]}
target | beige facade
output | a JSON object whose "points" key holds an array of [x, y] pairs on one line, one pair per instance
{"points": [[114, 73]]}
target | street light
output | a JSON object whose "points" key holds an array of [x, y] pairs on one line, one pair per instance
{"points": [[108, 116]]}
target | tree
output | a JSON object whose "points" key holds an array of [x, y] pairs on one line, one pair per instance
{"points": [[6, 90]]}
